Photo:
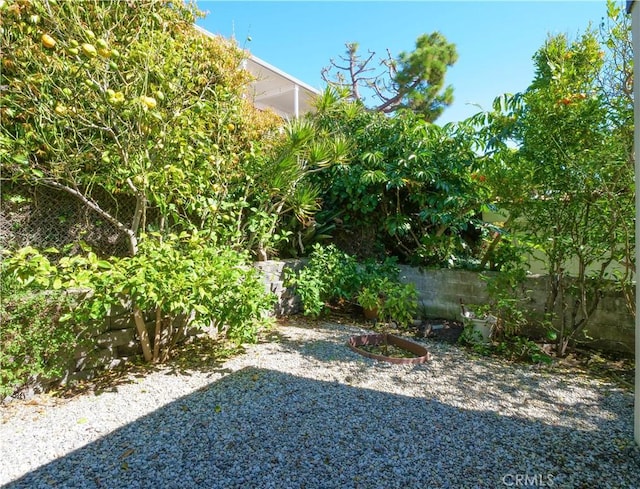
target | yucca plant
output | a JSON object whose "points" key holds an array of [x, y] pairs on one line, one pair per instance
{"points": [[282, 188]]}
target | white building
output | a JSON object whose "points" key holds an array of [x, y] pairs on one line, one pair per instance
{"points": [[274, 89]]}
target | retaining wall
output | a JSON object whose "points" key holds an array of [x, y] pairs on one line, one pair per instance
{"points": [[439, 293], [611, 328]]}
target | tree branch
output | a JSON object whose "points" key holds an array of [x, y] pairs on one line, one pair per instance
{"points": [[96, 208]]}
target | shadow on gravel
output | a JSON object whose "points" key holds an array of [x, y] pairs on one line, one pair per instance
{"points": [[202, 354], [259, 428], [321, 350]]}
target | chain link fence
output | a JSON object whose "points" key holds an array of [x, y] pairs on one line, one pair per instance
{"points": [[45, 218]]}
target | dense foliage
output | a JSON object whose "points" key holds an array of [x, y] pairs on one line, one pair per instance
{"points": [[278, 196], [183, 279], [35, 346], [334, 278], [123, 102], [559, 162], [104, 101], [409, 188]]}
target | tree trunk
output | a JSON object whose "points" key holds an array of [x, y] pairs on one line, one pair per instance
{"points": [[158, 335], [142, 333], [497, 237], [562, 347], [563, 337], [141, 205], [261, 253], [132, 240]]}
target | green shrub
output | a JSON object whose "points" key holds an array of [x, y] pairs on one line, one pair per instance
{"points": [[182, 275], [182, 278], [332, 275], [519, 348], [34, 343], [400, 303], [409, 188], [329, 275]]}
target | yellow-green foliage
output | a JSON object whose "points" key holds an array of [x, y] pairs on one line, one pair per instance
{"points": [[127, 98]]}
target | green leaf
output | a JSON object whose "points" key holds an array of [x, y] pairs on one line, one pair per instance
{"points": [[201, 309], [21, 159]]}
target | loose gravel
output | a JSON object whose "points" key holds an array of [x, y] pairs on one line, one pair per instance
{"points": [[304, 411]]}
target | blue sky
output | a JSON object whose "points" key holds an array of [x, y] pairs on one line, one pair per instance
{"points": [[495, 39]]}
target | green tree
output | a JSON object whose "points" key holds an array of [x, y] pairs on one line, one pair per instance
{"points": [[407, 187], [412, 80], [560, 168], [616, 88], [119, 100]]}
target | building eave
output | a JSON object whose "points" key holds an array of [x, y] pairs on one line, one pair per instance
{"points": [[273, 88]]}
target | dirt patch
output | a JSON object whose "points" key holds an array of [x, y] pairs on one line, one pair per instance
{"points": [[443, 330]]}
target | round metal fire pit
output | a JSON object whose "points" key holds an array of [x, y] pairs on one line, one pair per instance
{"points": [[422, 355]]}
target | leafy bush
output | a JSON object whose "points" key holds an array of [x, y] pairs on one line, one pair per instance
{"points": [[179, 277], [400, 303], [408, 186], [332, 275], [329, 275], [522, 349], [34, 343], [473, 339]]}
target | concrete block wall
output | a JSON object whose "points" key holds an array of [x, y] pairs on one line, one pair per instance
{"points": [[274, 275], [611, 328], [440, 291], [108, 344]]}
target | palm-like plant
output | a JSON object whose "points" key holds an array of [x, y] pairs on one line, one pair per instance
{"points": [[282, 187]]}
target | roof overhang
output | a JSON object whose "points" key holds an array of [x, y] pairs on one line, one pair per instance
{"points": [[274, 89]]}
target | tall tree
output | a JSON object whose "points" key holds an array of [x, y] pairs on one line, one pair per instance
{"points": [[412, 80], [121, 100], [616, 88], [567, 183]]}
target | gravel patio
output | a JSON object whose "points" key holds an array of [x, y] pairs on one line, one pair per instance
{"points": [[301, 410]]}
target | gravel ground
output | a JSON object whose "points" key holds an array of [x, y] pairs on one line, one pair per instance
{"points": [[303, 411]]}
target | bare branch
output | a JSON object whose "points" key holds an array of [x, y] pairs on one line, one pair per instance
{"points": [[414, 79], [96, 208]]}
